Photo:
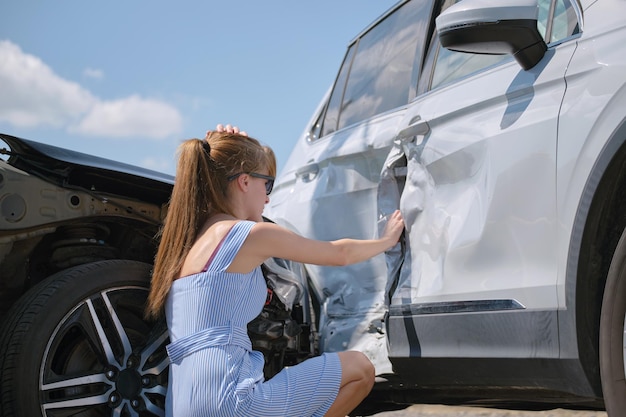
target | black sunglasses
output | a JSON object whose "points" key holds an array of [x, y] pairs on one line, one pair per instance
{"points": [[269, 185]]}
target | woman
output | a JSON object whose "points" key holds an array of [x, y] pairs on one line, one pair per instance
{"points": [[207, 278]]}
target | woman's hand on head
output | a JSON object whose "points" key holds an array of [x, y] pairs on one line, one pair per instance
{"points": [[394, 227], [228, 129]]}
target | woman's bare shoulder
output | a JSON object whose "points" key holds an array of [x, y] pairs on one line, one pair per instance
{"points": [[265, 230], [209, 238]]}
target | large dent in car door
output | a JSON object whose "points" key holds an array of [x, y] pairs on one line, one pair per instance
{"points": [[407, 185], [331, 193], [434, 224], [353, 304]]}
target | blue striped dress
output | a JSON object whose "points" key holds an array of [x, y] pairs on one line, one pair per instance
{"points": [[214, 371]]}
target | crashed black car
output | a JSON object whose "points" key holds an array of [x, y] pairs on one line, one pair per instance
{"points": [[77, 241]]}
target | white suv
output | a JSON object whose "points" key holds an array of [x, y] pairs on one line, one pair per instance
{"points": [[498, 128]]}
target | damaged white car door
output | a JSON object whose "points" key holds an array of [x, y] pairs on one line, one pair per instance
{"points": [[473, 171]]}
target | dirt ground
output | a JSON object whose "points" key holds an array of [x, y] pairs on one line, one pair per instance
{"points": [[447, 411]]}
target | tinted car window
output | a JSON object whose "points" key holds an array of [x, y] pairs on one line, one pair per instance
{"points": [[451, 65], [542, 18], [334, 104], [557, 20], [564, 22], [376, 74]]}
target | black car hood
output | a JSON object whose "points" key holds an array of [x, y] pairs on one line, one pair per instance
{"points": [[64, 167]]}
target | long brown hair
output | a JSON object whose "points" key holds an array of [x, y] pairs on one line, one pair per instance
{"points": [[200, 191]]}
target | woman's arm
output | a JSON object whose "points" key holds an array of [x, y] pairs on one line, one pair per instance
{"points": [[267, 240]]}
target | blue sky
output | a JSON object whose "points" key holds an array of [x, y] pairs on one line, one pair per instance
{"points": [[129, 79]]}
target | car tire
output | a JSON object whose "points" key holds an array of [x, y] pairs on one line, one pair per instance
{"points": [[613, 333], [77, 343]]}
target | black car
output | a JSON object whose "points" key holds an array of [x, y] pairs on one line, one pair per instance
{"points": [[78, 236]]}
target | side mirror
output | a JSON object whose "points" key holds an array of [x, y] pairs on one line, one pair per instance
{"points": [[494, 28]]}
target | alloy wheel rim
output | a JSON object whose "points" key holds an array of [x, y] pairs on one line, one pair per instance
{"points": [[105, 358]]}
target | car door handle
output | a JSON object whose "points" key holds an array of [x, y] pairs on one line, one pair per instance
{"points": [[418, 127], [308, 172]]}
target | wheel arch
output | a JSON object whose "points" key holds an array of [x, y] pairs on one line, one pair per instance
{"points": [[72, 243], [597, 227]]}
